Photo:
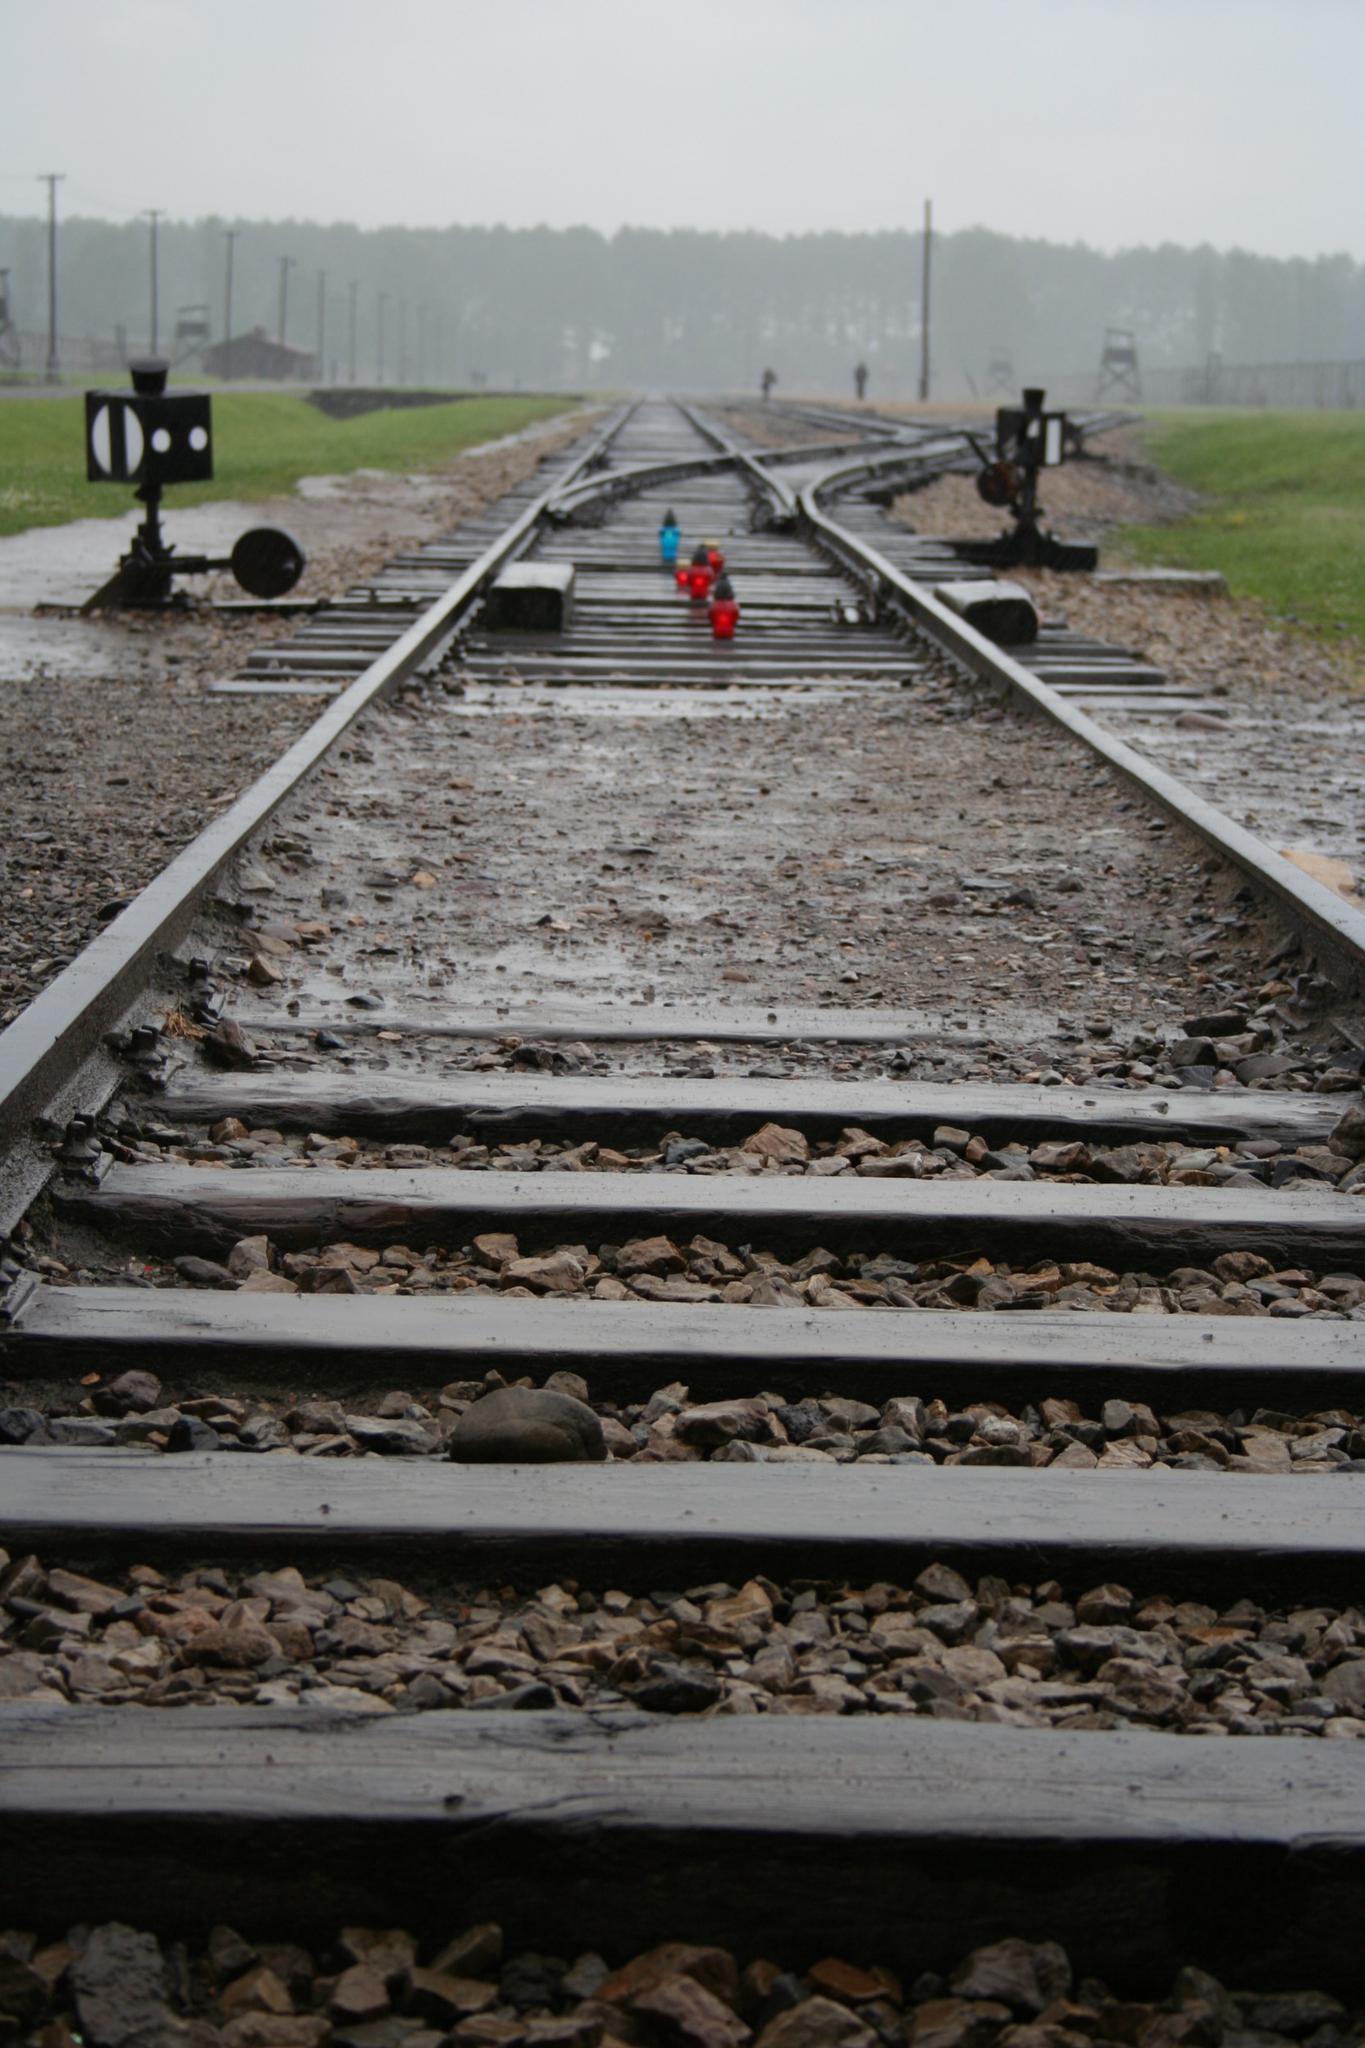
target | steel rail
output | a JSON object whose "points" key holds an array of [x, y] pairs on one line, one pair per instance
{"points": [[44, 1049], [52, 1059], [889, 464], [1336, 926], [641, 476], [54, 1062], [43, 1052], [638, 476], [782, 495], [936, 448], [376, 1797], [805, 451], [875, 424]]}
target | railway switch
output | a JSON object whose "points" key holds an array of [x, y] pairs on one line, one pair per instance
{"points": [[1028, 440], [149, 438]]}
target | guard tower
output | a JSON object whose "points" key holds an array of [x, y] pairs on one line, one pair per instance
{"points": [[1000, 379], [1118, 377], [192, 330]]}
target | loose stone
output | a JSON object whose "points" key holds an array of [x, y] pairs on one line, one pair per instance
{"points": [[528, 1425]]}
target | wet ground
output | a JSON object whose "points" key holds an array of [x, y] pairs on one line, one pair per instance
{"points": [[865, 852], [1276, 738], [332, 517], [112, 757]]}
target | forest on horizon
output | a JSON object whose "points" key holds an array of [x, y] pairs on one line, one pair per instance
{"points": [[573, 308]]}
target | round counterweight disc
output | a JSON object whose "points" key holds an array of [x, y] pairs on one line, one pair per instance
{"points": [[267, 562], [998, 483]]}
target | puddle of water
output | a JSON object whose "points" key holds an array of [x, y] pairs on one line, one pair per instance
{"points": [[74, 650], [63, 564]]}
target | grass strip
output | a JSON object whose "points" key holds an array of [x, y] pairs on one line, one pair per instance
{"points": [[1284, 510], [263, 443]]}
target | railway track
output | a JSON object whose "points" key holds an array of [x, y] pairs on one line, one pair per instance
{"points": [[862, 1620]]}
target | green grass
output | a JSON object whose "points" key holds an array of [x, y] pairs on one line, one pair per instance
{"points": [[1284, 511], [262, 444]]}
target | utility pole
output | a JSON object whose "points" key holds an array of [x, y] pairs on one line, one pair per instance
{"points": [[229, 236], [286, 265], [924, 303], [383, 304], [402, 341], [350, 338], [322, 327], [153, 214], [52, 179]]}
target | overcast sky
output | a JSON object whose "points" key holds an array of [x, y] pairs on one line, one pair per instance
{"points": [[1107, 121]]}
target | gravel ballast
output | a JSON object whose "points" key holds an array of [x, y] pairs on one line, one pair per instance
{"points": [[113, 761], [384, 1988], [1274, 740], [856, 855], [1095, 1657], [133, 1409], [776, 1150]]}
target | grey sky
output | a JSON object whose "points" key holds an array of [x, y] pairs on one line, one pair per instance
{"points": [[1108, 121]]}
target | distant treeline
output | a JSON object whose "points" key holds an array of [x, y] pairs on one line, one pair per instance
{"points": [[551, 308]]}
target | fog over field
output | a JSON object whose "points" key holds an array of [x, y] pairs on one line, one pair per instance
{"points": [[558, 194], [565, 308]]}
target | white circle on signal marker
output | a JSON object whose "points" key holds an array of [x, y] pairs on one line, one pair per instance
{"points": [[161, 440], [199, 440], [99, 438]]}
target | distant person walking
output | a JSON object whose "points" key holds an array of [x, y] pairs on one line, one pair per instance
{"points": [[769, 379], [860, 382]]}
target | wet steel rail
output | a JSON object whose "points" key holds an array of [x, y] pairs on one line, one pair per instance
{"points": [[889, 1836]]}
